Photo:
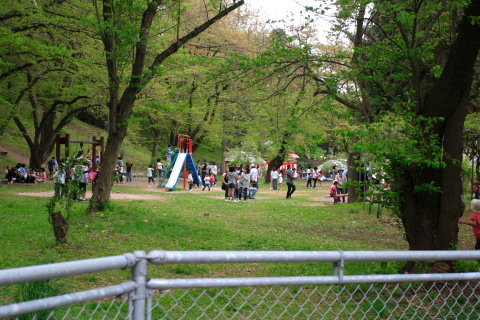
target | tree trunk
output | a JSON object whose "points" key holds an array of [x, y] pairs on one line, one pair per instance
{"points": [[60, 226], [156, 141], [39, 152], [352, 176], [276, 163], [35, 161], [103, 187], [121, 105], [224, 150], [431, 218]]}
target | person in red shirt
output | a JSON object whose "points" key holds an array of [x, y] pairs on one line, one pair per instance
{"points": [[474, 221], [333, 192]]}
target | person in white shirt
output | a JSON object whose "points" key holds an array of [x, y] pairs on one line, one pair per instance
{"points": [[159, 168], [254, 176], [341, 178], [274, 177], [214, 170]]}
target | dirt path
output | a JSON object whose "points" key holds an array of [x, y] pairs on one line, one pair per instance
{"points": [[154, 193], [114, 195]]}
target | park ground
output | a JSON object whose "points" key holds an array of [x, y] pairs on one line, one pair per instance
{"points": [[143, 218]]}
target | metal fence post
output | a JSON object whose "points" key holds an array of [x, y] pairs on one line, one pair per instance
{"points": [[137, 298], [339, 267]]}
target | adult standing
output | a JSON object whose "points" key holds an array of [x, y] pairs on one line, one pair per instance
{"points": [[340, 178], [274, 177], [230, 180], [129, 171], [244, 184], [254, 176], [225, 185], [203, 170], [52, 167], [334, 172], [290, 181], [309, 177], [315, 177]]}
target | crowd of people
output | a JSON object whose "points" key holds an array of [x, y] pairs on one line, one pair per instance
{"points": [[240, 182], [20, 174], [70, 177]]}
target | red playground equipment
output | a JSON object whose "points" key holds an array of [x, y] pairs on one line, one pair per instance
{"points": [[182, 160]]}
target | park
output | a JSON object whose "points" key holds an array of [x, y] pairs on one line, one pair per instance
{"points": [[91, 91], [142, 218]]}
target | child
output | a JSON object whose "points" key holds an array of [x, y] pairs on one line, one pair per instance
{"points": [[150, 175], [82, 184], [474, 221], [190, 181], [280, 179], [212, 179], [207, 183], [42, 176], [333, 192], [59, 178]]}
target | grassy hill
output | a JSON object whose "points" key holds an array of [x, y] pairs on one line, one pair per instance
{"points": [[14, 148]]}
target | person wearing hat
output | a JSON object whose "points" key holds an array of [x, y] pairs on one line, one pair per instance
{"points": [[341, 178]]}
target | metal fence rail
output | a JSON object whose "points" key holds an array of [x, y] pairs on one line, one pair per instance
{"points": [[383, 296]]}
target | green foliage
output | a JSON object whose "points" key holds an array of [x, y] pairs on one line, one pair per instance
{"points": [[465, 266], [402, 143], [176, 221], [37, 290]]}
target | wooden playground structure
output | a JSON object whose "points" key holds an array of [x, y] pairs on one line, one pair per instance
{"points": [[59, 140]]}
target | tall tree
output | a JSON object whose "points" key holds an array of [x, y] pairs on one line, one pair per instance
{"points": [[130, 35], [43, 74], [412, 62], [418, 62]]}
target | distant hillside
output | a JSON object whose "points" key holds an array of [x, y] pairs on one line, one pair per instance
{"points": [[14, 149]]}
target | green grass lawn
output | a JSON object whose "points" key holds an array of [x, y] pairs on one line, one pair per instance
{"points": [[177, 221]]}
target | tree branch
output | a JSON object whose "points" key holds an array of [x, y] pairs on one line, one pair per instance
{"points": [[11, 14], [174, 47], [23, 131]]}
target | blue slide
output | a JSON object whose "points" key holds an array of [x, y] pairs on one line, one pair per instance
{"points": [[177, 169]]}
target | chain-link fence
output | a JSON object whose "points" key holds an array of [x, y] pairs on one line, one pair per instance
{"points": [[336, 296], [432, 300]]}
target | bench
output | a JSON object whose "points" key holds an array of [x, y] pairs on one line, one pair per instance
{"points": [[338, 195]]}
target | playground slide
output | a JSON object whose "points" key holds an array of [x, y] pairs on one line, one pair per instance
{"points": [[177, 168]]}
